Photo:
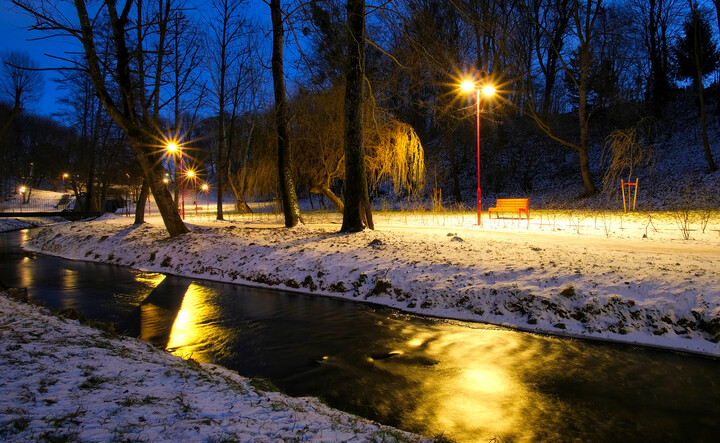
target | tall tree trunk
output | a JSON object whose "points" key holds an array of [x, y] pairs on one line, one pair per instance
{"points": [[584, 121], [704, 126], [357, 213], [140, 206], [291, 208], [138, 127], [221, 164]]}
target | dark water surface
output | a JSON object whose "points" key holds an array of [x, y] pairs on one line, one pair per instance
{"points": [[470, 381]]}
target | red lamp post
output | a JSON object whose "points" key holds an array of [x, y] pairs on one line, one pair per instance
{"points": [[21, 191], [487, 90], [205, 188], [191, 174], [173, 148]]}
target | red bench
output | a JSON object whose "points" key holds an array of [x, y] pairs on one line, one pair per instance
{"points": [[511, 205]]}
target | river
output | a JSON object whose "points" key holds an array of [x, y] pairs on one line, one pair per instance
{"points": [[467, 381]]}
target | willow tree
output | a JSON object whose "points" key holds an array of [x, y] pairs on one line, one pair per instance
{"points": [[625, 149], [318, 136], [394, 152], [129, 87], [392, 148]]}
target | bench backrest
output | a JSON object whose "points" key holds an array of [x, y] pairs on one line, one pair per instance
{"points": [[512, 202]]}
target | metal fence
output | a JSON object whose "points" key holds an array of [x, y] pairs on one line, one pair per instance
{"points": [[38, 204]]}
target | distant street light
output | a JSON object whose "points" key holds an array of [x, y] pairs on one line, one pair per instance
{"points": [[21, 191], [206, 188], [488, 90], [191, 175], [173, 149], [64, 176]]}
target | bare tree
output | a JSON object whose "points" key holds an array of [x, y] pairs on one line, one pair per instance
{"points": [[227, 28], [94, 161], [187, 90], [552, 20], [291, 208], [655, 20], [583, 25], [20, 83], [129, 89]]}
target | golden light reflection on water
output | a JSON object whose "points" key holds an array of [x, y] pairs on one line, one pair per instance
{"points": [[190, 331], [25, 274], [70, 278], [151, 279], [475, 388]]}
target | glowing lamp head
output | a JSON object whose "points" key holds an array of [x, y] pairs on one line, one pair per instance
{"points": [[166, 181], [22, 189], [468, 86], [65, 175], [488, 90], [204, 187], [172, 147], [191, 173]]}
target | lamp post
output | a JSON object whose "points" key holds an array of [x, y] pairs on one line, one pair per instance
{"points": [[174, 149], [487, 90], [21, 191], [205, 188], [64, 176], [191, 175]]}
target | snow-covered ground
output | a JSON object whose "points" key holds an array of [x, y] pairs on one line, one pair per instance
{"points": [[613, 276], [63, 381], [647, 278]]}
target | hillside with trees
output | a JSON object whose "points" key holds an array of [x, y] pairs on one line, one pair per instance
{"points": [[588, 94]]}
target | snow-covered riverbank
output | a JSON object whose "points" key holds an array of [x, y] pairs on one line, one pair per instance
{"points": [[629, 278], [63, 381]]}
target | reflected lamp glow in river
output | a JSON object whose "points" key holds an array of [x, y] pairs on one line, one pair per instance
{"points": [[189, 330], [69, 278], [150, 279], [476, 386]]}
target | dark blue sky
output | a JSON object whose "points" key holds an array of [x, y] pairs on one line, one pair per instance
{"points": [[14, 36]]}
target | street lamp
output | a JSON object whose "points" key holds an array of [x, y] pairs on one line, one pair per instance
{"points": [[487, 90], [64, 176], [206, 188], [173, 149], [191, 175], [21, 191]]}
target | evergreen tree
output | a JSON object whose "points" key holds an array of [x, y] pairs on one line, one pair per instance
{"points": [[697, 56]]}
